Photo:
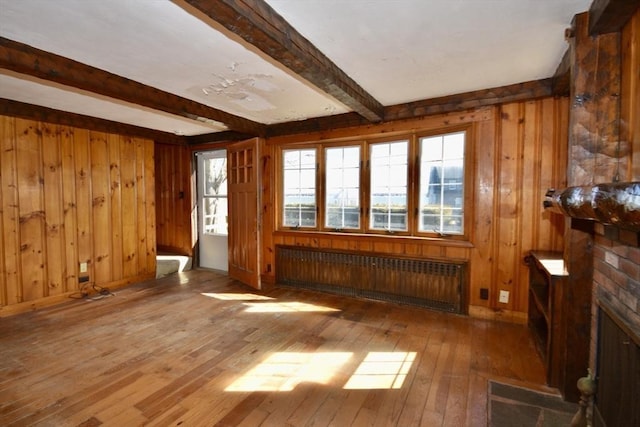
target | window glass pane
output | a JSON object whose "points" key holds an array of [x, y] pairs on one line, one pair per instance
{"points": [[442, 184], [342, 178], [215, 177], [214, 199], [388, 196], [215, 215], [299, 186]]}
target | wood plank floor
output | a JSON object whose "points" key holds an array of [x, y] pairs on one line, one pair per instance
{"points": [[198, 349]]}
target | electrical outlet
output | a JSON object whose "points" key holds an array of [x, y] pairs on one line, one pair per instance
{"points": [[504, 297], [83, 267]]}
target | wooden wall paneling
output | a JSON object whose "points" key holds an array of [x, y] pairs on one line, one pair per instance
{"points": [[183, 197], [31, 208], [519, 150], [115, 197], [412, 249], [509, 209], [161, 211], [267, 210], [531, 196], [482, 271], [630, 90], [366, 245], [129, 206], [68, 198], [101, 207], [9, 214], [454, 252], [432, 251], [150, 205], [554, 151], [3, 284], [174, 187], [53, 210], [141, 210], [59, 207], [175, 228], [84, 202]]}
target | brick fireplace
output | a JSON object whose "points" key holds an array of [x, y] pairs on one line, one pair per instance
{"points": [[609, 219], [615, 336]]}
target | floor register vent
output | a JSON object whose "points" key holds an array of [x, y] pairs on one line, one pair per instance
{"points": [[435, 284]]}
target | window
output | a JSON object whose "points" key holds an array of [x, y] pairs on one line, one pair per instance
{"points": [[299, 195], [410, 185], [389, 201], [214, 195], [342, 188], [442, 183]]}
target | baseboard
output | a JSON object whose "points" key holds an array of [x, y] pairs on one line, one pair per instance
{"points": [[41, 303]]}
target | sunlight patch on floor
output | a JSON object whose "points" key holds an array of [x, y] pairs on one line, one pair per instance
{"points": [[382, 370], [286, 307], [236, 297], [283, 371]]}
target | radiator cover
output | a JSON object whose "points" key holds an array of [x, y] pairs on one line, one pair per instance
{"points": [[437, 284]]}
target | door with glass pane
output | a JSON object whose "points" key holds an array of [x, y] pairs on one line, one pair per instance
{"points": [[212, 209], [244, 239]]}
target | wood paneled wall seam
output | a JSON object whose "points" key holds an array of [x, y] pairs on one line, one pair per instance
{"points": [[70, 196]]}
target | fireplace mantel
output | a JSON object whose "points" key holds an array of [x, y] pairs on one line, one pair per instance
{"points": [[610, 203]]}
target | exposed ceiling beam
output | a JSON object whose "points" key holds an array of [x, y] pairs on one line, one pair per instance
{"points": [[259, 25], [45, 114], [25, 59], [609, 16], [216, 137], [561, 80], [447, 104], [463, 101]]}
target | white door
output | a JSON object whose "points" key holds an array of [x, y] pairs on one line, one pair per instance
{"points": [[212, 209]]}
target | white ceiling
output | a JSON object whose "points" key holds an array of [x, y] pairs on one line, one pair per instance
{"points": [[397, 50]]}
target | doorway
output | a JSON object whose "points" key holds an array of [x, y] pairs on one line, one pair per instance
{"points": [[213, 229]]}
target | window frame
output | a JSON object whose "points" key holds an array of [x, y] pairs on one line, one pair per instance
{"points": [[413, 183], [323, 190], [214, 155], [409, 139], [467, 190], [281, 192]]}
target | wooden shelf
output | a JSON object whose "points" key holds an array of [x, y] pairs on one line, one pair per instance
{"points": [[547, 280]]}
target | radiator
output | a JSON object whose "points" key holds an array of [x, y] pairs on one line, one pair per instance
{"points": [[423, 282]]}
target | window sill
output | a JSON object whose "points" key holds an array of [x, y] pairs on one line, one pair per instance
{"points": [[437, 241]]}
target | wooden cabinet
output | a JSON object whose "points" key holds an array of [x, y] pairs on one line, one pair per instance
{"points": [[548, 280]]}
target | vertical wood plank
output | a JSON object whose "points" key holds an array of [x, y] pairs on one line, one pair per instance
{"points": [[482, 262], [10, 216], [116, 206], [3, 284], [150, 205], [31, 209], [509, 210], [531, 196], [101, 207], [53, 209], [141, 252], [68, 199], [130, 206], [84, 205]]}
